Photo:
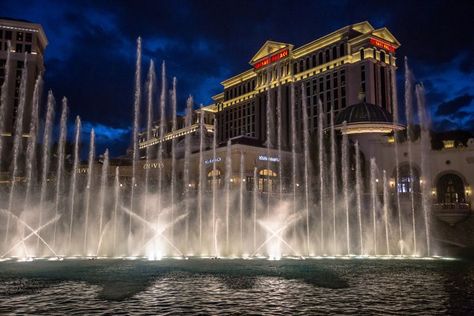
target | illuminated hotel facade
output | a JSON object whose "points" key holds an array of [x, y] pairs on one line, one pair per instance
{"points": [[352, 72], [334, 69]]}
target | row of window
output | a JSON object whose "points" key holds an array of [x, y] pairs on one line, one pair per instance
{"points": [[19, 48], [239, 90], [239, 120], [319, 58], [19, 36]]}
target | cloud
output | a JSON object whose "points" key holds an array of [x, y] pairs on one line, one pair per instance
{"points": [[452, 106]]}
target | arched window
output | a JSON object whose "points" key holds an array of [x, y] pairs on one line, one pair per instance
{"points": [[334, 52], [409, 180], [267, 180], [327, 56], [450, 189], [214, 177], [320, 58]]}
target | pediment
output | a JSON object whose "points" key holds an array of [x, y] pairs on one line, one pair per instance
{"points": [[269, 48], [385, 34]]}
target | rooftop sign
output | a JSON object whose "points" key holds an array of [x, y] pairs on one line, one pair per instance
{"points": [[383, 45], [271, 59]]}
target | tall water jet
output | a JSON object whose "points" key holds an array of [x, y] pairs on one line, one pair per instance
{"points": [[269, 142], [359, 196], [409, 118], [345, 183], [386, 202], [162, 136], [174, 126], [214, 186], [201, 174], [228, 179], [255, 206], [304, 109], [373, 197], [4, 99], [60, 164], [48, 127], [397, 158], [333, 178], [293, 147], [241, 200], [17, 144], [116, 206], [424, 161], [32, 139], [136, 122], [321, 172], [280, 141], [75, 166], [90, 170], [149, 121], [186, 169], [103, 188]]}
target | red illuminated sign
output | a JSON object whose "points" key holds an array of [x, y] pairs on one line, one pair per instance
{"points": [[382, 45], [271, 59]]}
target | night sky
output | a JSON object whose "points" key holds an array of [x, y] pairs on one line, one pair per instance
{"points": [[91, 51]]}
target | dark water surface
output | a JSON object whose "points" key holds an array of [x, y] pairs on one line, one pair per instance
{"points": [[306, 287]]}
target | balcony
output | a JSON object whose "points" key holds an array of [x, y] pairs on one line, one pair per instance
{"points": [[452, 213]]}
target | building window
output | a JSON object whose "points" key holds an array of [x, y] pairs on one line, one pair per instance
{"points": [[214, 177], [19, 48], [409, 180], [334, 52], [8, 35], [450, 189], [267, 180], [19, 36], [382, 56], [341, 50], [327, 56], [28, 37], [28, 48], [362, 54]]}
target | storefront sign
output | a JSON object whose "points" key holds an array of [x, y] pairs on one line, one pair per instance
{"points": [[212, 160], [266, 158], [152, 165]]}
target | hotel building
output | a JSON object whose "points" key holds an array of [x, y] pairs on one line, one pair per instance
{"points": [[27, 40], [352, 72]]}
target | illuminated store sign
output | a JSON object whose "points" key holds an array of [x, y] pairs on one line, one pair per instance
{"points": [[212, 160], [266, 158], [152, 165], [271, 59], [382, 45]]}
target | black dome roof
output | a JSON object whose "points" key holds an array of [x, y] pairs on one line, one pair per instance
{"points": [[363, 113]]}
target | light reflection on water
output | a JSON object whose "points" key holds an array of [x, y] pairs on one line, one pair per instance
{"points": [[238, 286]]}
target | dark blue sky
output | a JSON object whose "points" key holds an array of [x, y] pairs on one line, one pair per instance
{"points": [[90, 57]]}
